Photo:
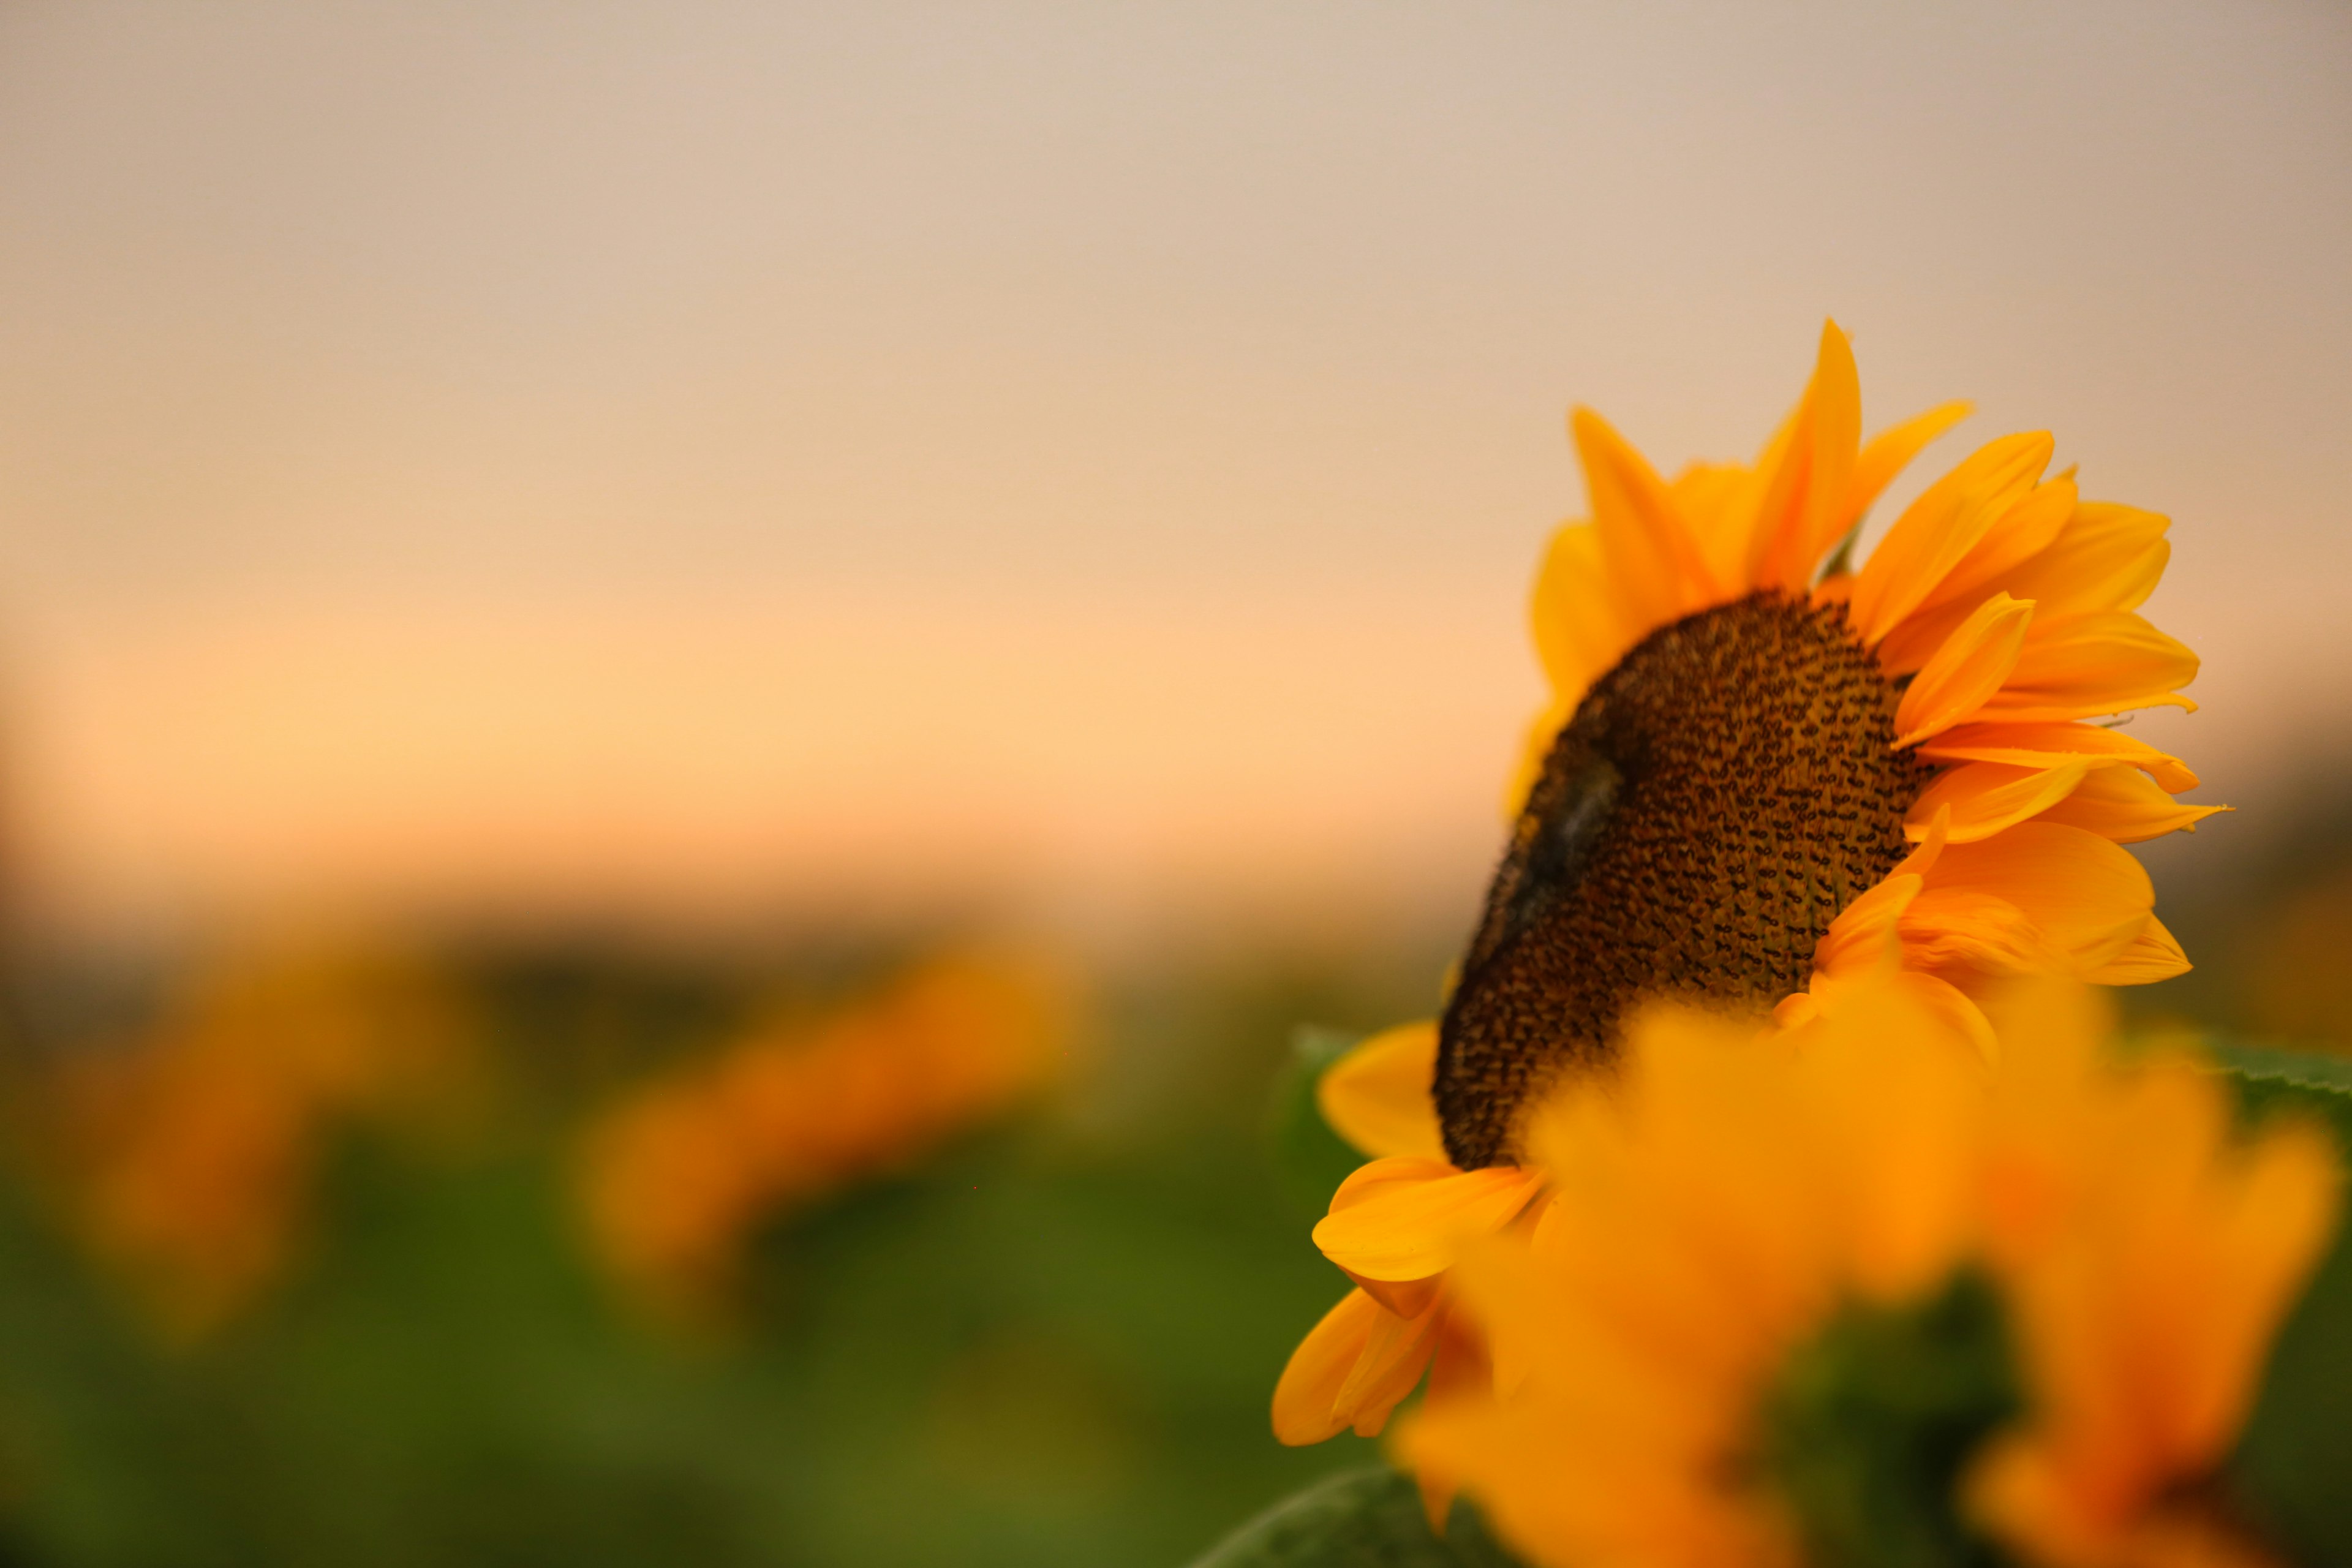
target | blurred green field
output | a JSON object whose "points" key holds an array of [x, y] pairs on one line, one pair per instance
{"points": [[1052, 1341]]}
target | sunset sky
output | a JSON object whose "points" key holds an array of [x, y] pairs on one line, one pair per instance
{"points": [[698, 457]]}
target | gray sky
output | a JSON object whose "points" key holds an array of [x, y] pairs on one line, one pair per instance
{"points": [[631, 437]]}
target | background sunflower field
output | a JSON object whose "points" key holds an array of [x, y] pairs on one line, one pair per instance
{"points": [[707, 711]]}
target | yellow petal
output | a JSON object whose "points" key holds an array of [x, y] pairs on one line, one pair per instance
{"points": [[1404, 1219], [1856, 972], [1654, 563], [1717, 502], [2126, 805], [2083, 897], [1305, 1400], [1966, 672], [2153, 955], [1577, 629], [1806, 477], [1940, 528], [1985, 797], [1395, 1354], [1406, 1298], [1377, 1097], [1459, 1373], [1922, 861], [2095, 664], [1975, 929], [1862, 939], [2107, 557], [1957, 1010], [2047, 745], [2103, 559], [1862, 930], [1890, 451], [2022, 533]]}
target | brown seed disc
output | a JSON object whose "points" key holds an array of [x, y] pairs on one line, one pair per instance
{"points": [[1713, 803]]}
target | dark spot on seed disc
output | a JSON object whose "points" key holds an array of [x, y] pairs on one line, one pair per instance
{"points": [[1712, 805]]}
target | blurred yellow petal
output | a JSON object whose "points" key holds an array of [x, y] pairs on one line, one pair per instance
{"points": [[2145, 1278], [1579, 629], [1406, 1298], [1406, 1220], [1395, 1354], [1717, 503], [1305, 1400], [1654, 565], [1376, 1096], [1715, 1216]]}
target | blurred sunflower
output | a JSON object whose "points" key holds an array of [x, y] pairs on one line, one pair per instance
{"points": [[1758, 766], [675, 1179], [190, 1154], [1835, 1299]]}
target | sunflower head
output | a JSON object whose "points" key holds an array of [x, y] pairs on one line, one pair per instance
{"points": [[1735, 795], [1717, 797]]}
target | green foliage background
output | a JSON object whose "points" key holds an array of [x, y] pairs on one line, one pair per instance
{"points": [[1052, 1342]]}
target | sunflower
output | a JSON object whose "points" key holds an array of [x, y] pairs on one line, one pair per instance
{"points": [[676, 1176], [2148, 1263], [191, 1155], [1760, 765], [1841, 1297]]}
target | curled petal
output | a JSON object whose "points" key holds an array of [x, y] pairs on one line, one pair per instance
{"points": [[2083, 897], [2153, 955]]}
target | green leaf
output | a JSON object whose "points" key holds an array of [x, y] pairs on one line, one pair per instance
{"points": [[2294, 1459], [2275, 1078], [1310, 1160], [1364, 1519], [2308, 1069]]}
